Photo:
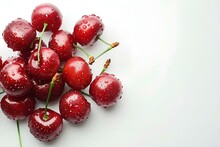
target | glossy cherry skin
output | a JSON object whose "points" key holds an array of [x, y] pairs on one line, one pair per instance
{"points": [[41, 88], [18, 108], [47, 67], [19, 34], [105, 90], [45, 129], [17, 60], [62, 43], [14, 80], [76, 73], [74, 107], [46, 13], [26, 53], [88, 29]]}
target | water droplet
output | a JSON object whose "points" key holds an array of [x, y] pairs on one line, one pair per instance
{"points": [[84, 27]]}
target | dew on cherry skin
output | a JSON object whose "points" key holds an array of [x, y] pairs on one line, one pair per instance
{"points": [[84, 27]]}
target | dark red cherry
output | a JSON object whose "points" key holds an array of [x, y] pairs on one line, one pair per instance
{"points": [[14, 80], [62, 42], [46, 13], [18, 108], [74, 107], [88, 29], [41, 88], [105, 90], [76, 73], [19, 34], [17, 60], [45, 129], [47, 67]]}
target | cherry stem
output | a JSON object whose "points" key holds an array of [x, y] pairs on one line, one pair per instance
{"points": [[85, 93], [91, 58], [2, 92], [104, 41], [106, 65], [19, 134], [52, 83], [40, 40], [32, 44], [80, 48], [111, 46]]}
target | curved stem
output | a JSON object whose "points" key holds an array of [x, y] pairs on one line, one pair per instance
{"points": [[19, 134], [2, 92], [40, 40], [52, 83]]}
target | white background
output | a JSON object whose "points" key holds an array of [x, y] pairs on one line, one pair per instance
{"points": [[168, 61]]}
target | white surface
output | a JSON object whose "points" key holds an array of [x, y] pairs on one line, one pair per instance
{"points": [[168, 62]]}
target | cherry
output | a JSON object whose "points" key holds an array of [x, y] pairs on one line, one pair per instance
{"points": [[17, 60], [14, 80], [19, 34], [105, 90], [46, 13], [62, 42], [46, 124], [45, 129], [18, 108], [41, 88], [26, 53], [74, 107], [77, 73], [88, 29], [48, 65]]}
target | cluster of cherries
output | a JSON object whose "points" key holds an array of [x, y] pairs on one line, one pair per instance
{"points": [[41, 72]]}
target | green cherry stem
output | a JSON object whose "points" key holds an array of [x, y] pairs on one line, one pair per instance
{"points": [[91, 58], [104, 41], [113, 45], [19, 134], [40, 40], [2, 92], [80, 48], [52, 83]]}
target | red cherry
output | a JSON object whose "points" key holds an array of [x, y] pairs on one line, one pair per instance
{"points": [[40, 89], [62, 42], [105, 90], [19, 34], [17, 60], [46, 13], [14, 80], [45, 129], [74, 107], [76, 73], [26, 53], [48, 66], [18, 108], [88, 29]]}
